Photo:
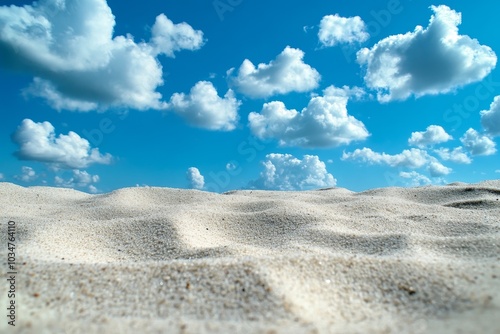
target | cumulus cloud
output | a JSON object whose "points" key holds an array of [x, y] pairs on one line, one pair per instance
{"points": [[92, 189], [38, 142], [413, 158], [437, 169], [287, 73], [434, 134], [416, 179], [457, 155], [478, 144], [196, 180], [285, 172], [323, 123], [490, 119], [28, 174], [334, 29], [433, 60], [77, 63], [203, 107], [80, 179], [168, 37]]}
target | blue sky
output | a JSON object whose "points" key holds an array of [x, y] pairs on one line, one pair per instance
{"points": [[219, 95]]}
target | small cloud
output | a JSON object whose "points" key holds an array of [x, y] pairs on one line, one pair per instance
{"points": [[457, 155], [93, 190], [81, 179], [196, 180], [287, 73], [490, 119], [437, 169], [417, 179], [38, 142], [203, 107], [285, 172], [168, 37], [434, 134], [426, 61], [478, 144], [28, 174], [413, 158], [325, 121], [335, 29], [1, 176]]}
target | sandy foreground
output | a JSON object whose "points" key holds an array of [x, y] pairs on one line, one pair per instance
{"points": [[392, 260]]}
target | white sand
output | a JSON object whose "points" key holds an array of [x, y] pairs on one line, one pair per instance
{"points": [[423, 260]]}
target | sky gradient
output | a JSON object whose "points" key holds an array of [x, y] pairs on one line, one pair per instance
{"points": [[236, 94]]}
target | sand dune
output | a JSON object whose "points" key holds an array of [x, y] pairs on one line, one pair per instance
{"points": [[392, 260]]}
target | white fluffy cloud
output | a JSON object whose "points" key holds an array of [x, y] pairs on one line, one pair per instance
{"points": [[323, 123], [196, 180], [426, 61], [285, 172], [334, 29], [287, 73], [38, 142], [80, 179], [457, 155], [437, 169], [417, 179], [168, 37], [490, 119], [413, 158], [205, 109], [77, 63], [28, 174], [478, 144], [434, 134]]}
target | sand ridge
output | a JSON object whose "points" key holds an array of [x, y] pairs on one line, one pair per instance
{"points": [[170, 260]]}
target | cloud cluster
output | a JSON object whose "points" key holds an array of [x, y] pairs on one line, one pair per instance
{"points": [[80, 179], [413, 158], [490, 119], [478, 144], [28, 174], [434, 134], [38, 142], [203, 107], [457, 155], [77, 63], [426, 61], [196, 180], [285, 172], [287, 73], [323, 123], [416, 178], [334, 29]]}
